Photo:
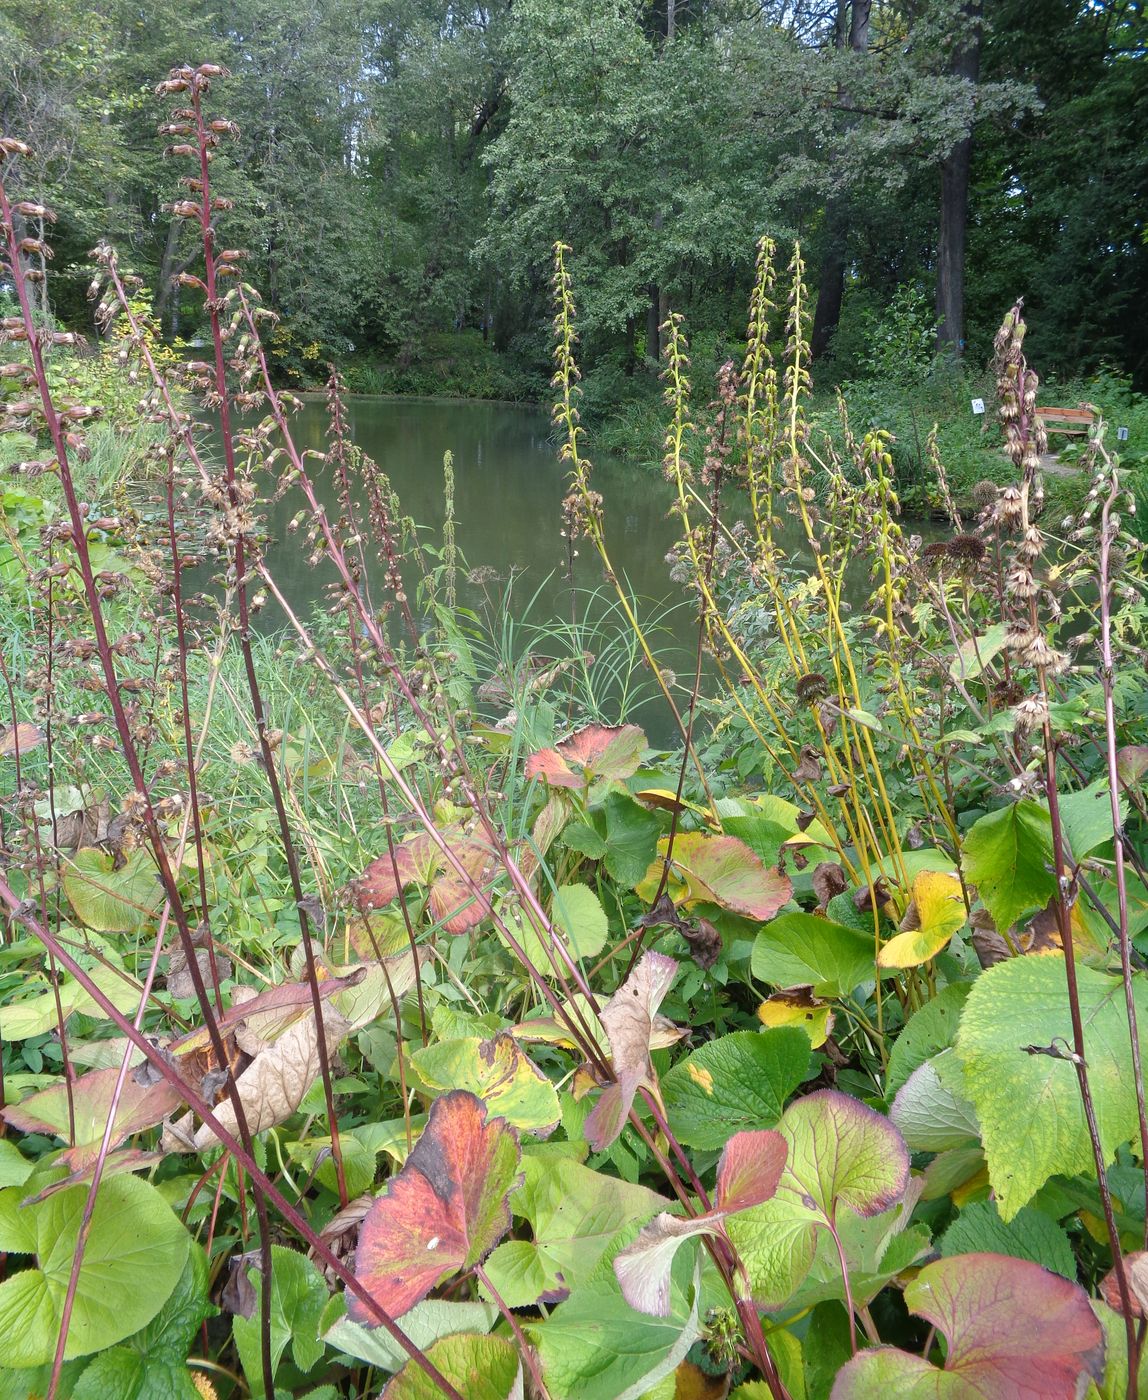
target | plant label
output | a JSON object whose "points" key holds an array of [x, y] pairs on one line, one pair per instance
{"points": [[978, 406], [1121, 434]]}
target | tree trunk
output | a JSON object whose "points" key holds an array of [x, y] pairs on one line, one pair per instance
{"points": [[955, 204], [831, 284]]}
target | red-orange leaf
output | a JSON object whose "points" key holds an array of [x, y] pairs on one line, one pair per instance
{"points": [[444, 1211], [420, 860], [139, 1106], [597, 751]]}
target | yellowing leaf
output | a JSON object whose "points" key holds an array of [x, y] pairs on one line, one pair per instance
{"points": [[670, 802], [935, 913], [798, 1007]]}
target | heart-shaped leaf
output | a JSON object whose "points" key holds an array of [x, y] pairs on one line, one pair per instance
{"points": [[420, 860], [801, 950], [936, 911], [841, 1154], [499, 1072], [597, 751], [1013, 1329], [133, 1236], [722, 870], [748, 1172], [112, 900], [574, 1213], [444, 1211], [630, 1018]]}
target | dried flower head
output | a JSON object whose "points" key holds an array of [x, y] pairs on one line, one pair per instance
{"points": [[811, 688], [985, 495], [1030, 714]]}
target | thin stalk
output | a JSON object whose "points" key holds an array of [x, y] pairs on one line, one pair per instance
{"points": [[242, 1156], [1107, 676]]}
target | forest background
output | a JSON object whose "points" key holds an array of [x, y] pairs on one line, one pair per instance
{"points": [[404, 166]]}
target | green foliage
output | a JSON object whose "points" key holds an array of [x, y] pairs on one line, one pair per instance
{"points": [[1028, 1102], [466, 974], [133, 1233]]}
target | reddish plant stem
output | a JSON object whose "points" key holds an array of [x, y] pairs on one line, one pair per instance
{"points": [[199, 84], [111, 684], [1107, 676], [244, 1158], [188, 739]]}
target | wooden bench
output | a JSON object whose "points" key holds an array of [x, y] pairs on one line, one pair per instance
{"points": [[1073, 422]]}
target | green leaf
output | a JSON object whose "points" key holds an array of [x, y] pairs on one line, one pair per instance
{"points": [[427, 1322], [574, 1214], [1032, 1123], [358, 1162], [798, 950], [1086, 817], [631, 838], [481, 1368], [298, 1297], [579, 914], [933, 1028], [128, 1375], [585, 840], [15, 1168], [499, 1072], [596, 1347], [110, 900], [133, 1235], [930, 1110], [1114, 1385], [841, 1155], [738, 1081], [1012, 1328], [34, 1015], [974, 654], [1006, 855], [1029, 1235]]}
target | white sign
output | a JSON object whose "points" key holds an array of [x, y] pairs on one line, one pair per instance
{"points": [[978, 405], [1121, 434]]}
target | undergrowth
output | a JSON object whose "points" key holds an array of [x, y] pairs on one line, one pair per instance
{"points": [[382, 1013]]}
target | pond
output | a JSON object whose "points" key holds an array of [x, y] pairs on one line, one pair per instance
{"points": [[509, 487]]}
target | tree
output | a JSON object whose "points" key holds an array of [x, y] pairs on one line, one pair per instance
{"points": [[955, 167]]}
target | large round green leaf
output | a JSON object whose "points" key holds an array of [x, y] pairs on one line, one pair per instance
{"points": [[135, 1254], [110, 900]]}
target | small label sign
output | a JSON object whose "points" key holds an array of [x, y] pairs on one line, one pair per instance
{"points": [[1121, 434], [978, 406]]}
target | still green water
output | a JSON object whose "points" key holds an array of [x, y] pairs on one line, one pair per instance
{"points": [[509, 488]]}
